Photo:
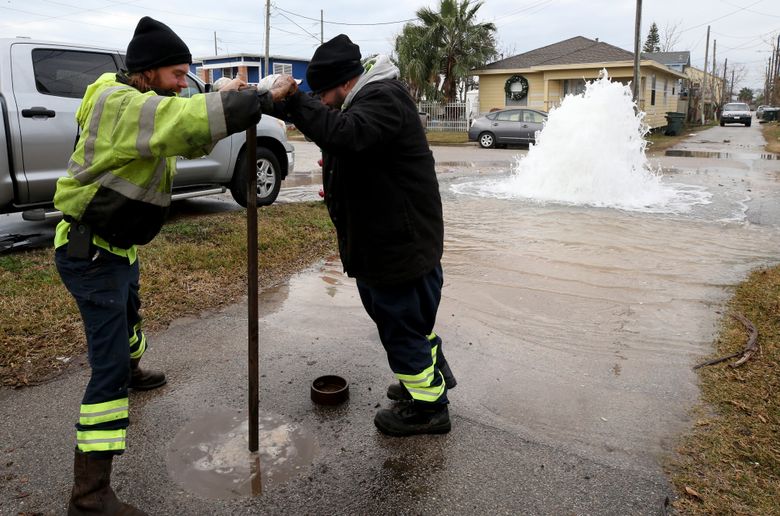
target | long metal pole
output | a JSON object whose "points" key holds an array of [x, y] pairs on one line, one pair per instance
{"points": [[252, 287], [637, 36]]}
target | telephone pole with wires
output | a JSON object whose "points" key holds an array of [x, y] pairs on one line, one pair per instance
{"points": [[703, 91], [637, 37]]}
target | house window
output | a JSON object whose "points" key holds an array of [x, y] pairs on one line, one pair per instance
{"points": [[652, 89], [666, 89], [283, 68], [227, 72], [573, 86]]}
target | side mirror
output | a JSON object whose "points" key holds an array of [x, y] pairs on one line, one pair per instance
{"points": [[207, 87]]}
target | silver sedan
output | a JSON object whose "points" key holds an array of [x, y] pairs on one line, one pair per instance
{"points": [[511, 126]]}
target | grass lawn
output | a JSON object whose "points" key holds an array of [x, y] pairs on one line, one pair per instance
{"points": [[730, 462], [771, 132], [194, 264]]}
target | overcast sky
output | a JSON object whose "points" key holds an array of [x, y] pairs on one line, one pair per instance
{"points": [[744, 29]]}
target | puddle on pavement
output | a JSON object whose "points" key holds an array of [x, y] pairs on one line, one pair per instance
{"points": [[210, 455], [720, 155], [474, 164]]}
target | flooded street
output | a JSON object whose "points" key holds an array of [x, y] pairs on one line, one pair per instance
{"points": [[578, 327], [572, 331]]}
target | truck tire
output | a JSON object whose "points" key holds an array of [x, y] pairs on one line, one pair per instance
{"points": [[269, 178]]}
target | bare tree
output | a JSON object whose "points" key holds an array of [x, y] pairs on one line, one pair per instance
{"points": [[505, 51], [671, 36], [740, 71]]}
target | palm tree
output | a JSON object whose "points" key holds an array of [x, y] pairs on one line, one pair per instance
{"points": [[418, 68], [448, 43]]}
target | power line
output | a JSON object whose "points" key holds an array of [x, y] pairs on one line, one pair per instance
{"points": [[340, 23], [293, 22], [751, 10], [541, 3], [720, 17], [752, 36], [80, 11]]}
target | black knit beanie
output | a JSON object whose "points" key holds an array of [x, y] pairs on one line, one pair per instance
{"points": [[333, 63], [154, 44]]}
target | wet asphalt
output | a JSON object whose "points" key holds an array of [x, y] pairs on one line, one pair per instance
{"points": [[314, 325]]}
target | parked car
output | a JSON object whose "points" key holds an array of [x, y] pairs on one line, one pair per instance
{"points": [[507, 126], [760, 111], [41, 86], [736, 113]]}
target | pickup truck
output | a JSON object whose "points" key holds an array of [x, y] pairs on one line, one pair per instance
{"points": [[41, 86]]}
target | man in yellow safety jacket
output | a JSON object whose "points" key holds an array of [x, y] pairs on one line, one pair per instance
{"points": [[114, 198]]}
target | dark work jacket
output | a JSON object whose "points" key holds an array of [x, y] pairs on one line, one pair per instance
{"points": [[379, 179]]}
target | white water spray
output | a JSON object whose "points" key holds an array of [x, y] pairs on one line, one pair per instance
{"points": [[592, 152]]}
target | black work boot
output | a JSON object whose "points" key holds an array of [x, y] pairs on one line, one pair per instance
{"points": [[413, 419], [446, 372], [92, 493], [397, 392], [142, 380]]}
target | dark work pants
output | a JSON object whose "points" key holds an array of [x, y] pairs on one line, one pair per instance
{"points": [[405, 315], [106, 291]]}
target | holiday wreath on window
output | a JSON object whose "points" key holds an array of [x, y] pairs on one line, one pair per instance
{"points": [[516, 87]]}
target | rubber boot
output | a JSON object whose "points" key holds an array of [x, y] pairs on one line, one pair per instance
{"points": [[397, 391], [413, 419], [142, 380], [92, 493]]}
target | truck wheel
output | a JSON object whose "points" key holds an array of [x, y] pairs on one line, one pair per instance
{"points": [[269, 178]]}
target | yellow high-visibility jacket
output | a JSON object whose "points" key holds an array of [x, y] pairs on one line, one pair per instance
{"points": [[121, 171]]}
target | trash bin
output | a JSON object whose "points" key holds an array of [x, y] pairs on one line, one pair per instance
{"points": [[674, 123], [770, 114]]}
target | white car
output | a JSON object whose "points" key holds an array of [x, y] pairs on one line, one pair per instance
{"points": [[736, 113]]}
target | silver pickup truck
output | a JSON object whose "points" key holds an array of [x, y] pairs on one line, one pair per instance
{"points": [[41, 86]]}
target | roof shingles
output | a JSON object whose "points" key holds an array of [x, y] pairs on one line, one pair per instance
{"points": [[576, 50]]}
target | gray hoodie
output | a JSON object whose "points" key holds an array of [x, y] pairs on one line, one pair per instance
{"points": [[377, 68]]}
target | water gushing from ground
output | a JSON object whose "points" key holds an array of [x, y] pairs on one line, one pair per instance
{"points": [[592, 152]]}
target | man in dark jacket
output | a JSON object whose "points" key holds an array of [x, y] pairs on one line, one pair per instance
{"points": [[383, 197]]}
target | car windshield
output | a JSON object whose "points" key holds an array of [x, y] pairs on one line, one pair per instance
{"points": [[736, 107]]}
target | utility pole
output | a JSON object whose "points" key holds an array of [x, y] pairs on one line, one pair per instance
{"points": [[731, 88], [776, 75], [267, 34], [704, 80], [322, 28], [637, 36], [723, 99], [215, 43], [714, 48]]}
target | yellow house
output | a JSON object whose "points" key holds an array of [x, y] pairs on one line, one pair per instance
{"points": [[541, 78], [714, 93]]}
